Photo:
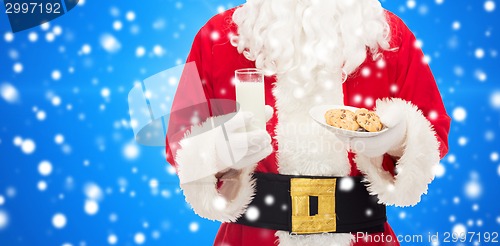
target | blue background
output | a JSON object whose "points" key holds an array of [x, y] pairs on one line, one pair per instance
{"points": [[98, 148]]}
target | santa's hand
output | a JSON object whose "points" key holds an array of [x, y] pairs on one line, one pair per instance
{"points": [[216, 161], [391, 141], [241, 143], [248, 145]]}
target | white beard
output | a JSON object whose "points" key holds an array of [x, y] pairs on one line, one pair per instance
{"points": [[308, 37]]}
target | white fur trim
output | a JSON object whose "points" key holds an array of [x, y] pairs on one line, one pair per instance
{"points": [[197, 157], [415, 167], [326, 239], [306, 148], [208, 203], [197, 165]]}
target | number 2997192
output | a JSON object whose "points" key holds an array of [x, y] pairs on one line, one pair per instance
{"points": [[33, 8]]}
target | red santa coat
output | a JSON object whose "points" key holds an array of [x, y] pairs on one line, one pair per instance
{"points": [[402, 74]]}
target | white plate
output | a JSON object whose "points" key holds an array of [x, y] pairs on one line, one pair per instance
{"points": [[318, 114]]}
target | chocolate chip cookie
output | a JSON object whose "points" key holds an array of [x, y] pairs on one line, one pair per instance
{"points": [[342, 118], [368, 120]]}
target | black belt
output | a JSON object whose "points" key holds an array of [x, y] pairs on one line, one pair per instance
{"points": [[313, 204]]}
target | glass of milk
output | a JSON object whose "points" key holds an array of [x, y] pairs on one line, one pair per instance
{"points": [[250, 94]]}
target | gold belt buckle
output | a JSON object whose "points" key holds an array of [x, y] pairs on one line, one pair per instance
{"points": [[302, 189]]}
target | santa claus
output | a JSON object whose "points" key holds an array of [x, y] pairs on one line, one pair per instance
{"points": [[314, 52]]}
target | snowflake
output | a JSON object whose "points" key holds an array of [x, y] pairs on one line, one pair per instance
{"points": [[473, 189], [459, 114], [346, 184], [32, 36], [158, 50], [59, 139], [50, 37], [131, 151], [18, 67], [495, 100], [153, 183], [9, 93], [411, 4], [252, 213], [92, 191], [479, 53], [86, 49], [4, 219], [139, 238], [45, 168], [402, 215], [112, 239], [117, 25], [140, 51], [459, 229], [269, 200], [439, 170], [194, 227], [109, 43], [28, 146], [489, 6], [480, 75], [130, 16], [91, 207], [59, 221]]}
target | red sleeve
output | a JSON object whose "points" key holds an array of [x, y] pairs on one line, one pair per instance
{"points": [[415, 83], [191, 101]]}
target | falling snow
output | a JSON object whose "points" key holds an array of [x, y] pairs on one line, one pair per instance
{"points": [[140, 51], [4, 219], [459, 229], [473, 189], [28, 146], [489, 6], [92, 191], [194, 227], [9, 93], [479, 53], [110, 43], [252, 213], [131, 151], [139, 238], [269, 200], [45, 168], [91, 207], [59, 139], [346, 184], [459, 114], [112, 239], [59, 221], [42, 185], [495, 100], [9, 37], [439, 170]]}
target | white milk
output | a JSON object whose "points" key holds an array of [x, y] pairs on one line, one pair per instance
{"points": [[250, 96]]}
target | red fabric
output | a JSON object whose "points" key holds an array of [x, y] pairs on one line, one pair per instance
{"points": [[404, 75]]}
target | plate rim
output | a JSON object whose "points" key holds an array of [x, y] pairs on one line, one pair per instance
{"points": [[340, 131]]}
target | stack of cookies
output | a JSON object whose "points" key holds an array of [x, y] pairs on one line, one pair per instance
{"points": [[361, 120]]}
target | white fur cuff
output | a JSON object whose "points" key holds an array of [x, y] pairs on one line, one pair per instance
{"points": [[414, 170], [207, 202], [197, 164]]}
